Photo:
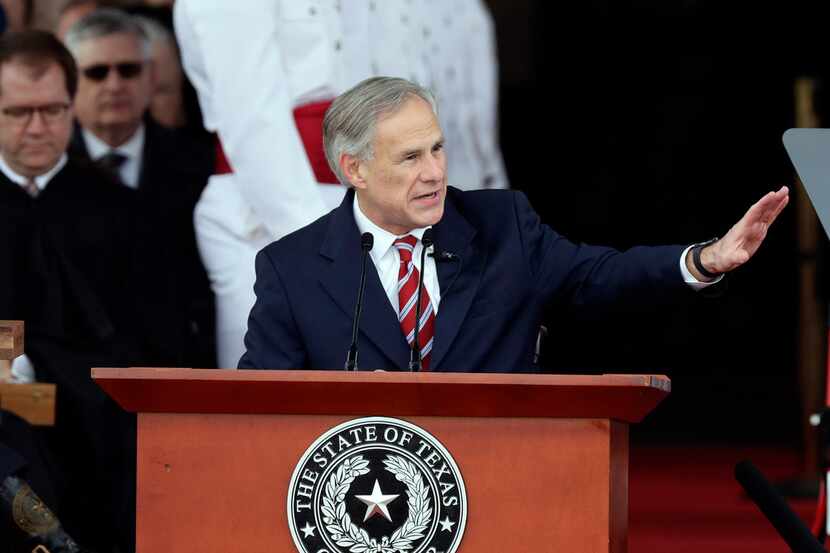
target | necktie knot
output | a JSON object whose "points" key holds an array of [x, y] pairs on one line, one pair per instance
{"points": [[31, 187], [112, 160], [405, 246], [111, 163]]}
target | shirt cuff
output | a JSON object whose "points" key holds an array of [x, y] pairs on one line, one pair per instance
{"points": [[689, 278], [23, 372]]}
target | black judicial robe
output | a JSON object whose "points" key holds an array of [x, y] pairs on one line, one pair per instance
{"points": [[68, 260]]}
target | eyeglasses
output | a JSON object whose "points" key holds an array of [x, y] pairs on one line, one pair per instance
{"points": [[126, 70], [22, 115]]}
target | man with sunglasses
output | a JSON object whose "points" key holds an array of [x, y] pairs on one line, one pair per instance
{"points": [[114, 89], [164, 167], [66, 235]]}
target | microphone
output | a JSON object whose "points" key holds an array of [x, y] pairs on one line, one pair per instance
{"points": [[785, 521], [366, 243], [415, 352]]}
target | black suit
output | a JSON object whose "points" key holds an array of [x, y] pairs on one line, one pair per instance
{"points": [[176, 305], [507, 266], [67, 272]]}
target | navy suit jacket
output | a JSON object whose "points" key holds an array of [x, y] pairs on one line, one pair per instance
{"points": [[508, 267]]}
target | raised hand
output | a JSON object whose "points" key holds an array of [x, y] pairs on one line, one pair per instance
{"points": [[745, 236]]}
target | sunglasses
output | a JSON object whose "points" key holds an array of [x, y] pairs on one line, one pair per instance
{"points": [[126, 70]]}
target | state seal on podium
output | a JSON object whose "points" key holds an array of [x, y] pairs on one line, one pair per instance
{"points": [[377, 485]]}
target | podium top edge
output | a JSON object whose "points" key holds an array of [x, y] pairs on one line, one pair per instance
{"points": [[659, 382], [622, 397]]}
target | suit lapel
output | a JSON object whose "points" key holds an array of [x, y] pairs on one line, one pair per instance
{"points": [[459, 279], [378, 323]]}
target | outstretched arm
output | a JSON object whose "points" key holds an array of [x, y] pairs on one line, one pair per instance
{"points": [[743, 239]]}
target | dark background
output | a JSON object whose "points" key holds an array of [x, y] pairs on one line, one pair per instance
{"points": [[660, 122]]}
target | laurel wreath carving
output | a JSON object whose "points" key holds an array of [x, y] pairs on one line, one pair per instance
{"points": [[347, 534]]}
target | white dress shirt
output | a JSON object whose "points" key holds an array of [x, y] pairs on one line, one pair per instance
{"points": [[387, 260], [23, 371], [132, 149]]}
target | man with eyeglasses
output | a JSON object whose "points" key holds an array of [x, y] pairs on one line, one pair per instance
{"points": [[66, 235], [167, 170]]}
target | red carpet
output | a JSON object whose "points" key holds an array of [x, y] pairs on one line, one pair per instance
{"points": [[686, 500]]}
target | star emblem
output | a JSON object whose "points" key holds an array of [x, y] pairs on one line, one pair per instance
{"points": [[446, 524], [377, 503], [308, 530]]}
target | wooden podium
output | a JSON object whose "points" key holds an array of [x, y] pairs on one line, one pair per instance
{"points": [[544, 457]]}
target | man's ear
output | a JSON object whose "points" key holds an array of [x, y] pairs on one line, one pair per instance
{"points": [[354, 170]]}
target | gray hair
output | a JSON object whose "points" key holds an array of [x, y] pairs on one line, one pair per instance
{"points": [[105, 22], [349, 123]]}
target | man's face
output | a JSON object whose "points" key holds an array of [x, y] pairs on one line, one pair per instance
{"points": [[115, 83], [404, 185], [35, 118]]}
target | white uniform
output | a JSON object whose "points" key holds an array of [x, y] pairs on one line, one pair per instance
{"points": [[461, 52], [252, 62]]}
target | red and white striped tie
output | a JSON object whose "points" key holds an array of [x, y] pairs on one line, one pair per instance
{"points": [[408, 278]]}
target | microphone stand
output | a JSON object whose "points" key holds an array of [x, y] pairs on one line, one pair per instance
{"points": [[415, 364], [366, 243]]}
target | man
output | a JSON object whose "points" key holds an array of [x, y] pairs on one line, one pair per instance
{"points": [[265, 98], [66, 235], [168, 172], [494, 268]]}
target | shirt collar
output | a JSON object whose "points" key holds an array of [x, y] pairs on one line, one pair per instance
{"points": [[383, 239], [40, 180], [97, 148]]}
